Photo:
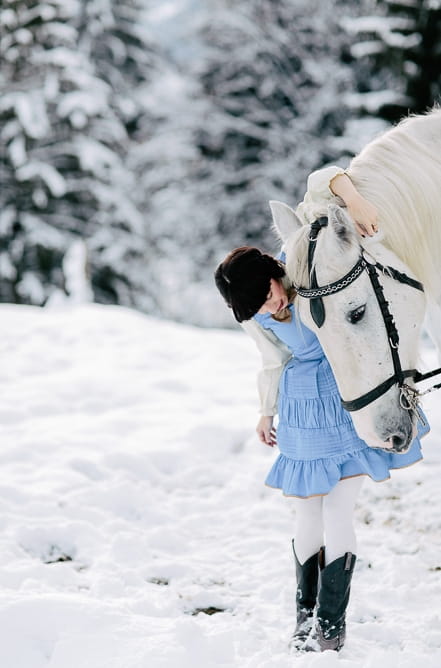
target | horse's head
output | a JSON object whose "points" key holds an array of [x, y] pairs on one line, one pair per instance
{"points": [[353, 333]]}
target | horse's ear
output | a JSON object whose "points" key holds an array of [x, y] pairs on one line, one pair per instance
{"points": [[342, 225], [285, 220]]}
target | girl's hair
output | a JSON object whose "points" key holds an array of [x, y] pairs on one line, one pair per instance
{"points": [[244, 280]]}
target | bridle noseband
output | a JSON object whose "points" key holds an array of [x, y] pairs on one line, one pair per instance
{"points": [[409, 396]]}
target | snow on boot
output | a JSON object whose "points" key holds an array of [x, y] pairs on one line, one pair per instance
{"points": [[306, 597], [333, 597]]}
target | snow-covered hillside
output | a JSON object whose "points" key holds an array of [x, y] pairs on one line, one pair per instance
{"points": [[132, 504]]}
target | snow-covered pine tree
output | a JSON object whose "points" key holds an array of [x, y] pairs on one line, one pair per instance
{"points": [[125, 54], [247, 107], [64, 137], [398, 56]]}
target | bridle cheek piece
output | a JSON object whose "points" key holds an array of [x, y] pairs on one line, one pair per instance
{"points": [[409, 396]]}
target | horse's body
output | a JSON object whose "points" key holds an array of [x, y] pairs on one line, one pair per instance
{"points": [[400, 172]]}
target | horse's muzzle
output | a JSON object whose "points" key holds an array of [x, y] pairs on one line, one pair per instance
{"points": [[394, 427]]}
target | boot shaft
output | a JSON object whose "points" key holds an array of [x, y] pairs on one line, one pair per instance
{"points": [[307, 575], [333, 597]]}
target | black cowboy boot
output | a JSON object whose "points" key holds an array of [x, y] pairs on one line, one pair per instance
{"points": [[306, 597], [333, 597]]}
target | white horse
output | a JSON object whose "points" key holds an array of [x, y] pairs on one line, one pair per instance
{"points": [[400, 172]]}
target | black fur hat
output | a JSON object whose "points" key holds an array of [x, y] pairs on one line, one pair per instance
{"points": [[244, 279]]}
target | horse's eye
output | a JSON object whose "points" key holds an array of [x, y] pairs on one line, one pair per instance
{"points": [[356, 315]]}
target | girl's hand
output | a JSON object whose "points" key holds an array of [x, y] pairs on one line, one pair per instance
{"points": [[364, 213], [265, 430]]}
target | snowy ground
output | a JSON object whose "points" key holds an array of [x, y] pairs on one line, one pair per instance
{"points": [[132, 497]]}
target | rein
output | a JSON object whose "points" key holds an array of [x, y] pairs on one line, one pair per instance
{"points": [[409, 396]]}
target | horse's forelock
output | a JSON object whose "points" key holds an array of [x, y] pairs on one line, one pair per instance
{"points": [[297, 256], [331, 251]]}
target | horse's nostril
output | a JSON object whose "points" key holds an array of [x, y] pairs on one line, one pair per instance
{"points": [[399, 442]]}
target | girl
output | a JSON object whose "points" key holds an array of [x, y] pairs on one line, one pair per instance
{"points": [[321, 458]]}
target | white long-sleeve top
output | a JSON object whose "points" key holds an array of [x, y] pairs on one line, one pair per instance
{"points": [[274, 353]]}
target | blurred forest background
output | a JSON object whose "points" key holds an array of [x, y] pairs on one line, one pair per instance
{"points": [[140, 140]]}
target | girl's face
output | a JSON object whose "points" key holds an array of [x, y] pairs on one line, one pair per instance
{"points": [[276, 299]]}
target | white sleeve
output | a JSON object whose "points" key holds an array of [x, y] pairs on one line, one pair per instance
{"points": [[318, 194], [274, 357]]}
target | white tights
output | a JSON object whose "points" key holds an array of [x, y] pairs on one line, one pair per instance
{"points": [[327, 520]]}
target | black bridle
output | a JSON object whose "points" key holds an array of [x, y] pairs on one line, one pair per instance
{"points": [[409, 397]]}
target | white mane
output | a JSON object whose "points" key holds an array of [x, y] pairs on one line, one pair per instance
{"points": [[400, 173]]}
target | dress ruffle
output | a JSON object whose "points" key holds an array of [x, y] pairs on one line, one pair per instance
{"points": [[313, 477]]}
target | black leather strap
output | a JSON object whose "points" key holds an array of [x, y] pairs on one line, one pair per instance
{"points": [[400, 276], [423, 376], [369, 397], [316, 303]]}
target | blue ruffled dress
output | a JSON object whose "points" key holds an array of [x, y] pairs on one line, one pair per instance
{"points": [[316, 437]]}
